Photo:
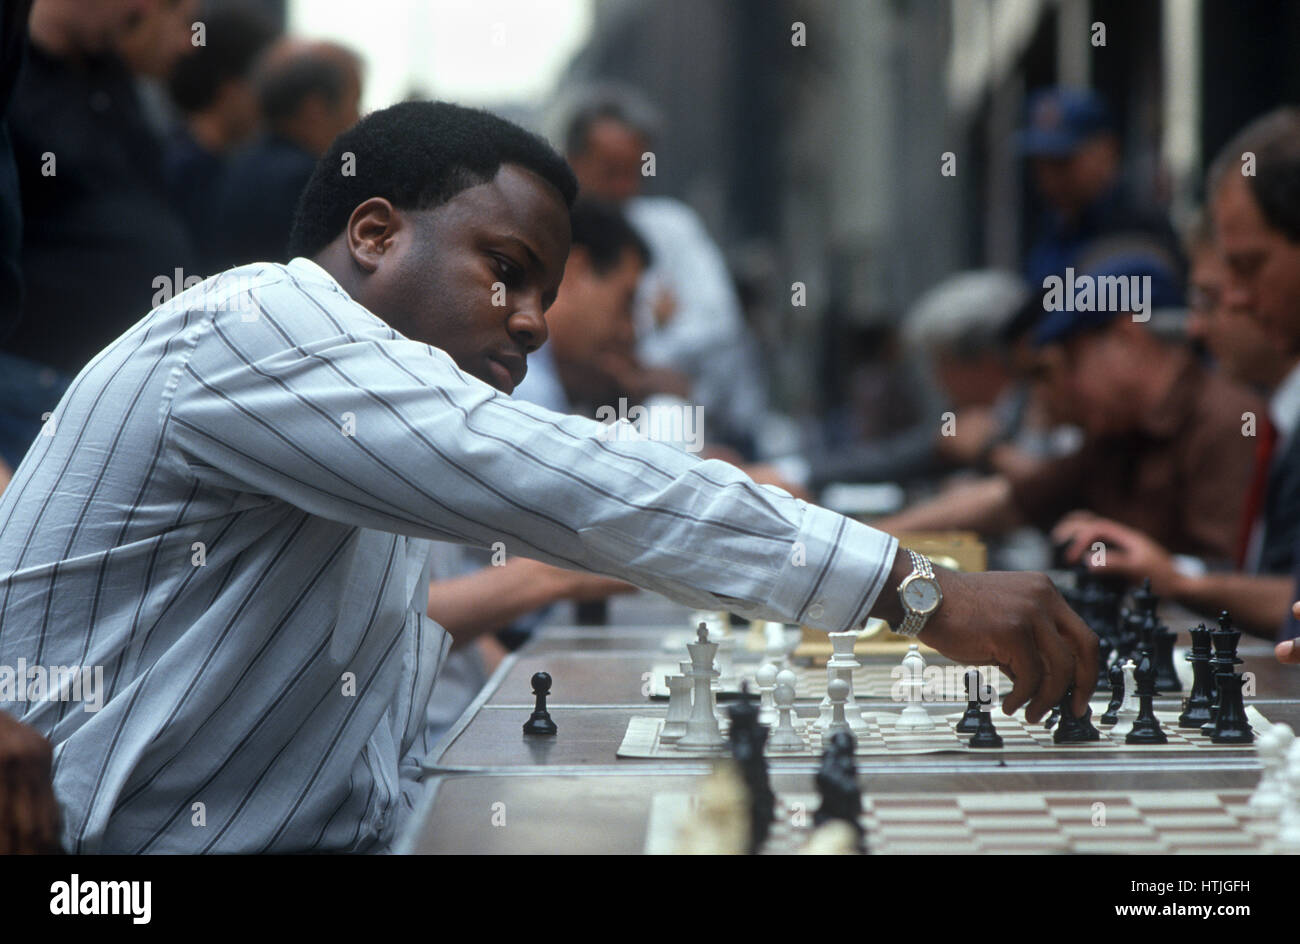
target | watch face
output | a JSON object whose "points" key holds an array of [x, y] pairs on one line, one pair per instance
{"points": [[921, 594]]}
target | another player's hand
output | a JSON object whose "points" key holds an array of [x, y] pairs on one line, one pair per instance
{"points": [[29, 816], [1124, 551], [1020, 623], [1288, 652], [570, 584]]}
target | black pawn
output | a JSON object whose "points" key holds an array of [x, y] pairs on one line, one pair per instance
{"points": [[1116, 680], [1196, 707], [1103, 660], [1146, 727], [1072, 730], [986, 735], [539, 722], [970, 719]]}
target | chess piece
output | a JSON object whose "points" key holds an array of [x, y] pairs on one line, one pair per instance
{"points": [[1288, 833], [725, 655], [789, 677], [1072, 730], [1128, 709], [914, 717], [1115, 675], [1230, 723], [1052, 717], [970, 719], [679, 704], [747, 738], [775, 648], [785, 739], [986, 736], [1270, 795], [1225, 623], [1196, 707], [1146, 727], [702, 731], [842, 664], [837, 784], [719, 823], [838, 692], [765, 678], [539, 722]]}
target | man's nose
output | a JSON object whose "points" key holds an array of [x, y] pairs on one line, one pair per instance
{"points": [[527, 325]]}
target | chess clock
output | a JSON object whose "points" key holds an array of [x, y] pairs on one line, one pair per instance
{"points": [[920, 595]]}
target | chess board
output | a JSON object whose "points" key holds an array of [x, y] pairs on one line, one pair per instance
{"points": [[1181, 822], [641, 740], [875, 681]]}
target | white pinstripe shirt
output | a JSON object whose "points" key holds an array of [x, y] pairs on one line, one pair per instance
{"points": [[229, 512]]}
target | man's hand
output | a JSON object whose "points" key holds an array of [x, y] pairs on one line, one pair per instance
{"points": [[29, 815], [565, 584], [1288, 652], [1128, 552], [1020, 623]]}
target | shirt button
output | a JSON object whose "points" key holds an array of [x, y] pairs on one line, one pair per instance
{"points": [[816, 611]]}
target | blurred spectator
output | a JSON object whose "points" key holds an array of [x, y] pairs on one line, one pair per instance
{"points": [[688, 316], [213, 89], [157, 37], [1163, 450], [98, 228], [959, 329], [310, 92], [1074, 162], [13, 33]]}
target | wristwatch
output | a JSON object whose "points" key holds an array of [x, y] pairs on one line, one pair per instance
{"points": [[920, 596]]}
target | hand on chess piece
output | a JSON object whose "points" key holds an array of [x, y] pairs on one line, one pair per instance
{"points": [[1018, 622], [29, 815]]}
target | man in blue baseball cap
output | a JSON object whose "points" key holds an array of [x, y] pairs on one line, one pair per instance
{"points": [[1073, 156], [1163, 451]]}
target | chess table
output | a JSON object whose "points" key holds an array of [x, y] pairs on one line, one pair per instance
{"points": [[491, 789]]}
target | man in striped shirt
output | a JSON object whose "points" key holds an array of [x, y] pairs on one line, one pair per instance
{"points": [[228, 515]]}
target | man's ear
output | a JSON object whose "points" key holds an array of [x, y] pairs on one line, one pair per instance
{"points": [[372, 227]]}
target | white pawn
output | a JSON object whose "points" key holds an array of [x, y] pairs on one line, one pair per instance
{"points": [[1128, 709], [1288, 834], [838, 692], [766, 679], [788, 677], [914, 716], [785, 738], [1269, 796]]}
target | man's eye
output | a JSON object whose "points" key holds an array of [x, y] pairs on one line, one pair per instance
{"points": [[510, 273]]}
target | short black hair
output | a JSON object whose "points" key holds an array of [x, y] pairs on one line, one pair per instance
{"points": [[417, 155], [605, 233], [1274, 139], [233, 39]]}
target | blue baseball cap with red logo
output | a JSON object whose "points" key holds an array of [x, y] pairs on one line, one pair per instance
{"points": [[1060, 119]]}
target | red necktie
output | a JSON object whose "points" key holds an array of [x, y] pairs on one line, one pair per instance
{"points": [[1264, 444]]}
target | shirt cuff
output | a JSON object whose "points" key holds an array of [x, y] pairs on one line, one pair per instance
{"points": [[834, 572]]}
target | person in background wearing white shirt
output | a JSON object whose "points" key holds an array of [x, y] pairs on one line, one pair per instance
{"points": [[230, 513], [689, 318]]}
